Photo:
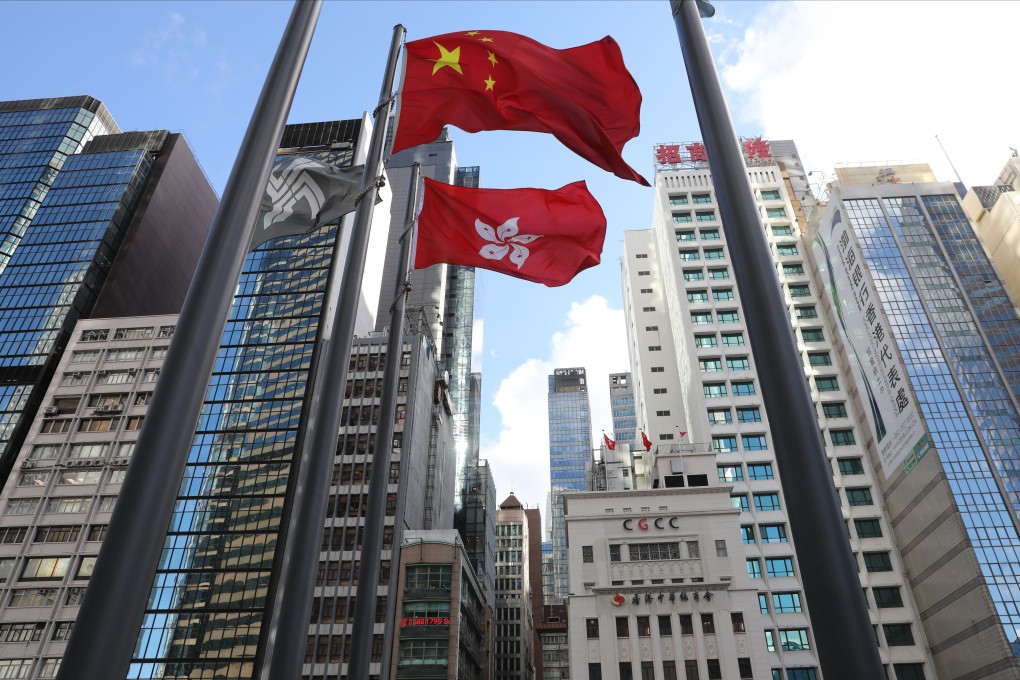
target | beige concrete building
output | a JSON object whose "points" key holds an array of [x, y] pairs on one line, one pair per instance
{"points": [[995, 212], [54, 511], [659, 588], [514, 640]]}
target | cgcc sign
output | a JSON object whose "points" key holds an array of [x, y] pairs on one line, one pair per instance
{"points": [[644, 524]]}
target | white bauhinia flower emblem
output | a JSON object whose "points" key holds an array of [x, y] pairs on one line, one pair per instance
{"points": [[505, 240]]}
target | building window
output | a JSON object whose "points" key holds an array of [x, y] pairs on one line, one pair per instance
{"points": [[700, 199], [22, 506], [799, 291], [793, 270], [777, 567], [689, 255], [754, 568], [95, 335], [747, 534], [759, 471], [133, 333], [748, 414], [819, 359], [754, 442], [786, 603], [782, 231], [770, 195], [775, 213], [654, 551], [787, 250], [648, 309], [622, 627], [807, 312], [709, 234], [694, 275], [898, 634], [697, 296], [710, 365], [801, 674], [714, 670], [730, 316], [682, 218], [724, 444], [836, 409], [587, 554], [654, 348], [58, 426], [877, 561], [705, 216], [794, 639], [720, 548], [868, 528], [743, 389], [592, 627], [45, 568], [658, 369], [765, 502], [738, 364], [739, 501], [663, 414], [842, 437], [626, 671], [702, 341], [772, 533], [722, 295], [737, 619], [678, 200], [714, 390], [594, 671], [733, 339], [644, 627], [850, 466], [909, 671], [719, 416], [730, 473], [682, 236], [860, 496], [887, 597], [719, 274], [614, 552], [707, 624], [827, 384], [686, 625], [701, 318]]}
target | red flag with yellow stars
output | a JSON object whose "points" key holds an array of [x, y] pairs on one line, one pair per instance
{"points": [[533, 234], [495, 80]]}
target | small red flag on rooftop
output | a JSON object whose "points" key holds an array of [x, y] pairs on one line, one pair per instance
{"points": [[532, 234], [610, 444], [646, 441], [496, 80]]}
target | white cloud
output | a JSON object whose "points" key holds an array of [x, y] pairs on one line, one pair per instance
{"points": [[477, 340], [176, 50], [594, 339], [853, 81]]}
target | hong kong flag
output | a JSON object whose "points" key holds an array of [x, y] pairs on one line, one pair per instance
{"points": [[495, 80], [533, 234]]}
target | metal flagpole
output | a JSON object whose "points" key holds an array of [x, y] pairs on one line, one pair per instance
{"points": [[839, 615], [375, 513], [108, 623], [290, 604]]}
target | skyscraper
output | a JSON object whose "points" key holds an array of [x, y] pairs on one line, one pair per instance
{"points": [[209, 593], [73, 200], [621, 402], [689, 346], [935, 342], [569, 454], [995, 210], [514, 639]]}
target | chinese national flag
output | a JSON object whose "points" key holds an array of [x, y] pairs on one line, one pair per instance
{"points": [[646, 441], [495, 80], [533, 234], [610, 444]]}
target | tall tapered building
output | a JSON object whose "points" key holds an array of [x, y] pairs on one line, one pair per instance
{"points": [[693, 371], [934, 340], [87, 226], [569, 454]]}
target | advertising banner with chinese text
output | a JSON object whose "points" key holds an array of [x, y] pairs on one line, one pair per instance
{"points": [[896, 424]]}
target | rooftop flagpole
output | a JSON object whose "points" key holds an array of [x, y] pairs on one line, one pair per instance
{"points": [[839, 615], [375, 513], [108, 623], [283, 650]]}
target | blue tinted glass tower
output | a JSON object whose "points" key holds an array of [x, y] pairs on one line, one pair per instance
{"points": [[570, 452]]}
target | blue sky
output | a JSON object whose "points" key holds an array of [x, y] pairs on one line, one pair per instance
{"points": [[849, 81]]}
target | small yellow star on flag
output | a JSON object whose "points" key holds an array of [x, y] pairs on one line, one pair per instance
{"points": [[489, 82], [447, 57], [472, 33], [486, 39], [492, 58]]}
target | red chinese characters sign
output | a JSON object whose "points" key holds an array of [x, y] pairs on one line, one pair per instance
{"points": [[757, 151], [424, 621]]}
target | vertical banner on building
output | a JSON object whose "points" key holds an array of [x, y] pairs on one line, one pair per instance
{"points": [[896, 424]]}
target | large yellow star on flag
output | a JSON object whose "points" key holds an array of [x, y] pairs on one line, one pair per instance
{"points": [[447, 57]]}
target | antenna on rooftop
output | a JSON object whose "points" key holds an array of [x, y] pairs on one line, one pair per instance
{"points": [[958, 178]]}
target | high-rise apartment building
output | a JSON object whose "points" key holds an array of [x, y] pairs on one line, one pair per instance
{"points": [[934, 341], [88, 227], [693, 369], [514, 638], [569, 454], [205, 613], [54, 512]]}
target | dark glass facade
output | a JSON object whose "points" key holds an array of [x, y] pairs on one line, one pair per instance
{"points": [[570, 452], [204, 617], [956, 332]]}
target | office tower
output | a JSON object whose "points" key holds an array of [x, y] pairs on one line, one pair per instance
{"points": [[68, 475], [513, 642], [934, 341], [85, 216], [621, 402], [548, 568], [659, 586], [995, 211], [475, 509], [689, 344], [444, 623], [534, 519], [569, 453], [208, 599], [553, 645]]}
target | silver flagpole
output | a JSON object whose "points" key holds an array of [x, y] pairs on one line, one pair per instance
{"points": [[375, 513], [108, 623], [290, 605]]}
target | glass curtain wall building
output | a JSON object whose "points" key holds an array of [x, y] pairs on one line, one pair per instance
{"points": [[570, 452], [621, 401], [204, 617], [958, 334], [37, 137]]}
